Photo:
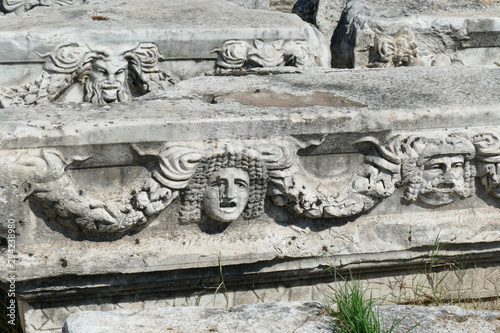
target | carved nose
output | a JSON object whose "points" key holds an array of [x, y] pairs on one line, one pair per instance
{"points": [[494, 179], [229, 191], [448, 176]]}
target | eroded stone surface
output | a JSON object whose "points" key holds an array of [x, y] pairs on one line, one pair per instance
{"points": [[252, 4], [439, 33], [272, 317], [324, 14], [66, 37], [446, 319]]}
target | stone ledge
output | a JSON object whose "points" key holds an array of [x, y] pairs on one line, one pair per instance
{"points": [[363, 102], [296, 317], [404, 33], [274, 317]]}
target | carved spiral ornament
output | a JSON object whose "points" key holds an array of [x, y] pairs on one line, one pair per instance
{"points": [[433, 168]]}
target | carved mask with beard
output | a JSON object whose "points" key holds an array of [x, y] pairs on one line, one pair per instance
{"points": [[107, 81], [442, 180]]}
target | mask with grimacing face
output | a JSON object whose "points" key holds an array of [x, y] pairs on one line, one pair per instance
{"points": [[226, 195], [107, 82], [442, 180]]}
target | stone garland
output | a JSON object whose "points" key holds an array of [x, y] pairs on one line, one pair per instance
{"points": [[227, 183]]}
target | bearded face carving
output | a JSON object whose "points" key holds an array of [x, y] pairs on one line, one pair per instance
{"points": [[438, 171], [442, 180], [75, 73], [106, 81]]}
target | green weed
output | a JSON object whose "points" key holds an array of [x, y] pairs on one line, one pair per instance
{"points": [[351, 309]]}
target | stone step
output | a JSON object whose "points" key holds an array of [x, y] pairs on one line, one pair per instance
{"points": [[181, 38], [294, 317], [405, 33]]}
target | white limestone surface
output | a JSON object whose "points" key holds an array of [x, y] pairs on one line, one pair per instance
{"points": [[303, 317], [186, 33], [298, 317], [405, 33]]}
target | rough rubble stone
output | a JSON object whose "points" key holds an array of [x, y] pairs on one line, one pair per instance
{"points": [[380, 33], [292, 317], [284, 6]]}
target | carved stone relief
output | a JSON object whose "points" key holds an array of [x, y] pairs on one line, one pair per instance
{"points": [[19, 6], [230, 180], [82, 73], [225, 185], [488, 156], [237, 54], [437, 171], [295, 188], [397, 50]]}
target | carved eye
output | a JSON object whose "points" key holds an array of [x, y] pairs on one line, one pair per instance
{"points": [[214, 183], [101, 71], [433, 167], [120, 71], [457, 165], [240, 184]]}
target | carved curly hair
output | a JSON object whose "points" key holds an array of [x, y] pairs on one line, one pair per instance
{"points": [[192, 196], [418, 150]]}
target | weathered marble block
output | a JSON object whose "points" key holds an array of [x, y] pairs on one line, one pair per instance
{"points": [[417, 33], [299, 317], [259, 180], [145, 45], [324, 14], [20, 6], [306, 317]]}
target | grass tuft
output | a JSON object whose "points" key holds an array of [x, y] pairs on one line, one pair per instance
{"points": [[352, 310]]}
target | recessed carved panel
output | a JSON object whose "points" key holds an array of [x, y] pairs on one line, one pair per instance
{"points": [[227, 181], [94, 74]]}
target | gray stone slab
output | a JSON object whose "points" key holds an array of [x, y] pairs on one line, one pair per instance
{"points": [[47, 59], [319, 102], [304, 317], [292, 317], [443, 319], [169, 24], [402, 33]]}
